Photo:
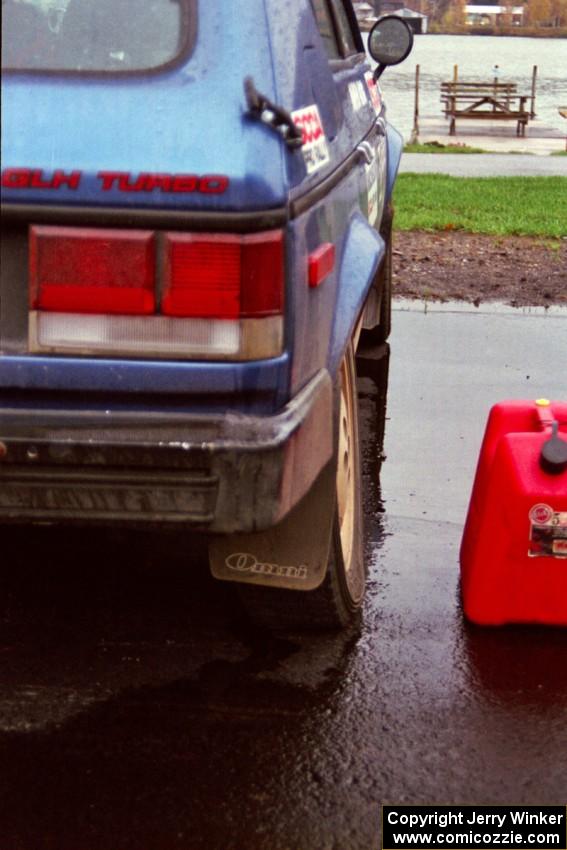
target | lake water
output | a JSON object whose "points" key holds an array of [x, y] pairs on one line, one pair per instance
{"points": [[476, 56]]}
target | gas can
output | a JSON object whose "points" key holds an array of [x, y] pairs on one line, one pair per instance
{"points": [[514, 546]]}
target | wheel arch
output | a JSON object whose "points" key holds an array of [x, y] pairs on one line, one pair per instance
{"points": [[362, 254], [395, 145]]}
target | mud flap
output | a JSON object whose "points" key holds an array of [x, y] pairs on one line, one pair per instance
{"points": [[293, 554]]}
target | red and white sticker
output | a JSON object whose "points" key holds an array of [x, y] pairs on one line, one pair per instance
{"points": [[374, 92], [314, 149], [548, 532]]}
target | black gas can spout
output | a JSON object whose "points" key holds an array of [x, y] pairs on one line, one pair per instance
{"points": [[553, 457]]}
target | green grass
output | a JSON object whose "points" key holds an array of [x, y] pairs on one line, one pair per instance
{"points": [[527, 206], [559, 153], [439, 147]]}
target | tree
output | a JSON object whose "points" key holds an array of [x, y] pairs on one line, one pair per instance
{"points": [[539, 12], [559, 13], [505, 17], [455, 16]]}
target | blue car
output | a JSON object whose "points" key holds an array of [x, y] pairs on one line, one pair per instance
{"points": [[196, 203]]}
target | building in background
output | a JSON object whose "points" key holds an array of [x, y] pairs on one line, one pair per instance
{"points": [[484, 13], [369, 11]]}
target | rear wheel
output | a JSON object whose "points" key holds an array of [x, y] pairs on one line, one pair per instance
{"points": [[349, 567], [336, 601]]}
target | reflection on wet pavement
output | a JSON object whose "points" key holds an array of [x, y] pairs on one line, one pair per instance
{"points": [[139, 708]]}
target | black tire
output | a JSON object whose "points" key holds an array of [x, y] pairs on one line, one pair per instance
{"points": [[335, 603]]}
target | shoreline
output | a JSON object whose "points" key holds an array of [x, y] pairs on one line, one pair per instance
{"points": [[513, 32]]}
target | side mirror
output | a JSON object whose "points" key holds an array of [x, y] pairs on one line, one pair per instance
{"points": [[390, 42]]}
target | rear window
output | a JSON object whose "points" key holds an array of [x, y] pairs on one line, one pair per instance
{"points": [[95, 35]]}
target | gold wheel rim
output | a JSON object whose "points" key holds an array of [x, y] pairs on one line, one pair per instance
{"points": [[346, 482]]}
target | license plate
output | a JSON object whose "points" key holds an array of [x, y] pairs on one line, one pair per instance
{"points": [[193, 502]]}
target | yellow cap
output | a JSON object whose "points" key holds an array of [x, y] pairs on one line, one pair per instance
{"points": [[543, 402]]}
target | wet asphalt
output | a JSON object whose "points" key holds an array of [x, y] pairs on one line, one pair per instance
{"points": [[140, 709]]}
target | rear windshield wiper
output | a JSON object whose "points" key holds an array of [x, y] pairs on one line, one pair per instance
{"points": [[276, 117]]}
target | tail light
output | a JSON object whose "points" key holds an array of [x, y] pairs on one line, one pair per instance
{"points": [[224, 276], [79, 270], [95, 291]]}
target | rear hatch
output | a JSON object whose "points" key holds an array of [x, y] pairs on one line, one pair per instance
{"points": [[143, 208], [127, 127]]}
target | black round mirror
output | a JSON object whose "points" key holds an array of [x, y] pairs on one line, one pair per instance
{"points": [[390, 40]]}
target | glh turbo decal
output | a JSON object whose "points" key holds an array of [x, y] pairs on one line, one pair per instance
{"points": [[120, 181]]}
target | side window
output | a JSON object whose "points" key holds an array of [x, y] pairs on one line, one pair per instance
{"points": [[345, 33], [326, 28]]}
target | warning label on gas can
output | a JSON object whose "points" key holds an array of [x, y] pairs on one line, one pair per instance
{"points": [[548, 532]]}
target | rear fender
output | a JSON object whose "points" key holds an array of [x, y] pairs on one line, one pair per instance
{"points": [[361, 257], [395, 145]]}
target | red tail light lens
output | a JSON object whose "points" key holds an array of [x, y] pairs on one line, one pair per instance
{"points": [[83, 270], [224, 277]]}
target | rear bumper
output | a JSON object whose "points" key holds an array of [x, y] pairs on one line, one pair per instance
{"points": [[218, 473]]}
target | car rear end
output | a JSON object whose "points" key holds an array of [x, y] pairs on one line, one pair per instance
{"points": [[146, 305]]}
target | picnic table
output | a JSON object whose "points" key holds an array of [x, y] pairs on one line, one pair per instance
{"points": [[484, 101]]}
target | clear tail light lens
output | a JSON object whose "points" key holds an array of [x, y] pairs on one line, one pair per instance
{"points": [[149, 336]]}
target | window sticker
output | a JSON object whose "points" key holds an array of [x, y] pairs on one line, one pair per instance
{"points": [[315, 150], [358, 96], [374, 92]]}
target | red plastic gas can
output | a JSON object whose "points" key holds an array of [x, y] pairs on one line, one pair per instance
{"points": [[514, 547]]}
